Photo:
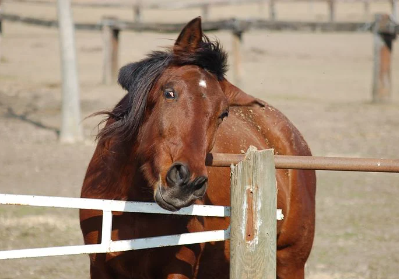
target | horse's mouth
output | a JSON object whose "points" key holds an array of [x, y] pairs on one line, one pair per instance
{"points": [[162, 202], [159, 199]]}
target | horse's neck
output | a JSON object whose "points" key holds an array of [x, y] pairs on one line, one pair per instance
{"points": [[113, 173]]}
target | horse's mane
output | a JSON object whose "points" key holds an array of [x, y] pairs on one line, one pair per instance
{"points": [[139, 78]]}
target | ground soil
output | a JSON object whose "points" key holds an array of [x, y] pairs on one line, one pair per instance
{"points": [[322, 82]]}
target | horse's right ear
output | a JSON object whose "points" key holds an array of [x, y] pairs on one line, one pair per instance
{"points": [[125, 76], [190, 37]]}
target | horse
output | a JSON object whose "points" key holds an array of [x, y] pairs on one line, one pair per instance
{"points": [[179, 107]]}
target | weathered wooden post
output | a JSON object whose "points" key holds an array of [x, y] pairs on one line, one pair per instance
{"points": [[110, 50], [395, 7], [1, 27], [137, 11], [237, 71], [238, 29], [331, 9], [272, 10], [71, 129], [366, 9], [384, 33], [253, 217], [205, 11]]}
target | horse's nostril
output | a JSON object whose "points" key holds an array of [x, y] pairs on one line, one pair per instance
{"points": [[200, 182], [177, 175]]}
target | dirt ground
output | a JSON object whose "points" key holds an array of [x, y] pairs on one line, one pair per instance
{"points": [[322, 82]]}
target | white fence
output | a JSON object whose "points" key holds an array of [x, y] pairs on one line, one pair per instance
{"points": [[107, 206], [255, 174]]}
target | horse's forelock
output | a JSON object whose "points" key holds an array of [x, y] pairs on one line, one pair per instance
{"points": [[209, 56]]}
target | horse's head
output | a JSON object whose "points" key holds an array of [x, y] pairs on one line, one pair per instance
{"points": [[179, 98]]}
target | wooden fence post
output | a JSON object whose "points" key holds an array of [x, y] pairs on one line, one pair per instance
{"points": [[272, 10], [137, 12], [395, 7], [253, 217], [384, 34], [110, 50], [205, 11], [237, 71], [71, 129], [1, 28], [366, 9], [331, 8]]}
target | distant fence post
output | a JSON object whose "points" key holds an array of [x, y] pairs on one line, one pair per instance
{"points": [[137, 11], [272, 10], [366, 9], [253, 217], [205, 11], [238, 31], [71, 129], [384, 33], [1, 27], [110, 50], [331, 9], [395, 7]]}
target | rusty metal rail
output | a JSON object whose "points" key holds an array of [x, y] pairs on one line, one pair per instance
{"points": [[313, 163]]}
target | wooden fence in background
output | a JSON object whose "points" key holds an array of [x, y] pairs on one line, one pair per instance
{"points": [[138, 6]]}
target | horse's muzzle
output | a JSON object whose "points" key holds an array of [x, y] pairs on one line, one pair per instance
{"points": [[180, 191]]}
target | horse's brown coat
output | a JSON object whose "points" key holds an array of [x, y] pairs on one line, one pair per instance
{"points": [[184, 130]]}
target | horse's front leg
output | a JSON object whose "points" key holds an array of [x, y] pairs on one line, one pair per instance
{"points": [[184, 265]]}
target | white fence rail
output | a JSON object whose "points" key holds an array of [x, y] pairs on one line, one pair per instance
{"points": [[107, 206]]}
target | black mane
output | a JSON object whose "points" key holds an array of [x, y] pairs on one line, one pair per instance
{"points": [[139, 78]]}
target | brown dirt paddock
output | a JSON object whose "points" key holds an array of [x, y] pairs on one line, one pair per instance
{"points": [[322, 82]]}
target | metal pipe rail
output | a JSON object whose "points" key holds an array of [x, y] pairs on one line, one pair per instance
{"points": [[313, 162]]}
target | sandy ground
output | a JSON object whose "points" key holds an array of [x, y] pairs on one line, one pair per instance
{"points": [[322, 82]]}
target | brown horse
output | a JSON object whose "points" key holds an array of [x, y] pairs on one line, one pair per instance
{"points": [[179, 107]]}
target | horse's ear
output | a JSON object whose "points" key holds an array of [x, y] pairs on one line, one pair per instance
{"points": [[190, 37], [237, 97], [125, 75]]}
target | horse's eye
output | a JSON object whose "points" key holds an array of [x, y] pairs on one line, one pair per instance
{"points": [[224, 115], [169, 94]]}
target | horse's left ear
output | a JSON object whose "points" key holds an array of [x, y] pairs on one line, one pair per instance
{"points": [[190, 37], [237, 97]]}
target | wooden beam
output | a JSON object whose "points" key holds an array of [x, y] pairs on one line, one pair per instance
{"points": [[110, 50], [258, 24]]}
